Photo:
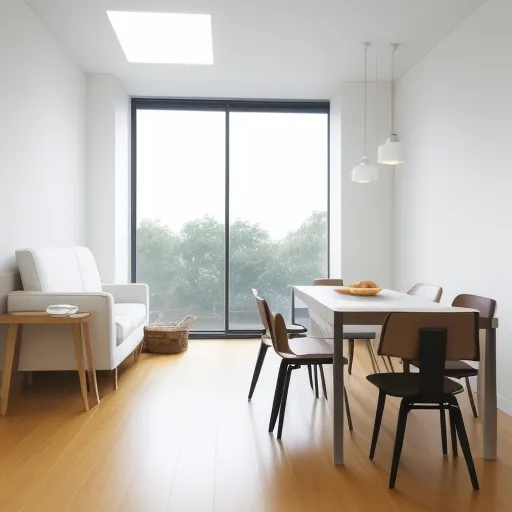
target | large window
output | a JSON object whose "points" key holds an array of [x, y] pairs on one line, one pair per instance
{"points": [[228, 196]]}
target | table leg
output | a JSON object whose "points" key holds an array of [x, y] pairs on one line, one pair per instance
{"points": [[487, 395], [10, 348], [79, 352], [93, 383], [338, 390]]}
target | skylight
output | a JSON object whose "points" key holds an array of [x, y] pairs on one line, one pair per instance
{"points": [[164, 38]]}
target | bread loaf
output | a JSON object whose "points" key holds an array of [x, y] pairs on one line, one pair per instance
{"points": [[364, 284]]}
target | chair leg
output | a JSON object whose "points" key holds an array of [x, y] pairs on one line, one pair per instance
{"points": [[351, 346], [310, 377], [322, 377], [444, 442], [471, 398], [385, 363], [282, 408], [347, 409], [464, 444], [453, 431], [378, 420], [391, 364], [399, 441], [257, 369], [315, 370], [281, 376], [373, 359]]}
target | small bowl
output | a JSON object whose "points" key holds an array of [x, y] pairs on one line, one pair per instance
{"points": [[61, 310]]}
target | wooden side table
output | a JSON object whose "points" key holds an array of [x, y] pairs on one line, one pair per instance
{"points": [[80, 334]]}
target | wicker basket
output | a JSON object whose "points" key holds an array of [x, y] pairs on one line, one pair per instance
{"points": [[166, 339]]}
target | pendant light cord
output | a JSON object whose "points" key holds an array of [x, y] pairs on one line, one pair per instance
{"points": [[393, 50], [365, 93]]}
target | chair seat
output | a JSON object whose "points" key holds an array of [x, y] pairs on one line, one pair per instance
{"points": [[459, 369], [359, 335], [407, 384], [308, 346], [311, 348], [295, 329]]}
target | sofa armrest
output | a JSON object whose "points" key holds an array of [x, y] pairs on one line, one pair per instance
{"points": [[99, 304], [135, 293], [39, 301]]}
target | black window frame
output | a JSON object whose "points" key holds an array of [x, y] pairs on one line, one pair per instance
{"points": [[227, 106]]}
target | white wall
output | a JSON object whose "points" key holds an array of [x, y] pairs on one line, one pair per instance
{"points": [[108, 176], [42, 138], [367, 233], [453, 202]]}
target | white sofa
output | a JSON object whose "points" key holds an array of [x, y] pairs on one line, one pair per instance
{"points": [[69, 275]]}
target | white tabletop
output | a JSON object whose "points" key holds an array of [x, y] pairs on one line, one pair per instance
{"points": [[387, 301]]}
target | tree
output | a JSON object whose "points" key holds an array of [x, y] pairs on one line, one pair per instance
{"points": [[185, 270]]}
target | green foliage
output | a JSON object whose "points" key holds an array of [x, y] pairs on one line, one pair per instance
{"points": [[185, 270]]}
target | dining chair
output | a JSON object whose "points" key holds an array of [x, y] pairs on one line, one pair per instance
{"points": [[460, 369], [315, 352], [293, 330], [431, 339], [366, 336], [430, 292]]}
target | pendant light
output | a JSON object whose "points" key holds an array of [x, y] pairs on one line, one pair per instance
{"points": [[393, 152], [364, 171]]}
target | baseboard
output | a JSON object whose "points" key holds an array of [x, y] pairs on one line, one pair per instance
{"points": [[505, 405]]}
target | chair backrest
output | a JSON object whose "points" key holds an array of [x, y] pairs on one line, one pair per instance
{"points": [[279, 335], [262, 308], [426, 291], [486, 307], [401, 334], [327, 281], [280, 344], [58, 269]]}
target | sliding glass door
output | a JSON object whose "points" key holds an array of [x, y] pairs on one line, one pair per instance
{"points": [[180, 235], [227, 197], [278, 208]]}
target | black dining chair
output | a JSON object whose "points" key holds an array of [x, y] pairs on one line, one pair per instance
{"points": [[431, 339], [293, 330], [313, 352], [460, 369]]}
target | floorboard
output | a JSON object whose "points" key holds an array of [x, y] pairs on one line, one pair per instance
{"points": [[179, 435]]}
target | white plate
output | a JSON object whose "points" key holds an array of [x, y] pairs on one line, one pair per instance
{"points": [[61, 309]]}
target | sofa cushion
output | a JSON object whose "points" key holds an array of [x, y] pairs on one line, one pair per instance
{"points": [[128, 318], [58, 269]]}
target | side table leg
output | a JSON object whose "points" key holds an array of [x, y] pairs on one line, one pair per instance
{"points": [[93, 383], [10, 348], [77, 340]]}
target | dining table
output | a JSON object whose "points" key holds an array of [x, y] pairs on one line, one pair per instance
{"points": [[330, 311]]}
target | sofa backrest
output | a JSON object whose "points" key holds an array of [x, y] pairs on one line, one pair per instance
{"points": [[58, 269]]}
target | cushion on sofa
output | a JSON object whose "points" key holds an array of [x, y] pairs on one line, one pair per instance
{"points": [[58, 269], [128, 318]]}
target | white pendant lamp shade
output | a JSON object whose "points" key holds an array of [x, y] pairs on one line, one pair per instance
{"points": [[364, 171], [393, 152]]}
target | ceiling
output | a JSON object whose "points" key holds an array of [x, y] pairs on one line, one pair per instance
{"points": [[262, 48]]}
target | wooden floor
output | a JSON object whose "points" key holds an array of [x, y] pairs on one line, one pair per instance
{"points": [[179, 435]]}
